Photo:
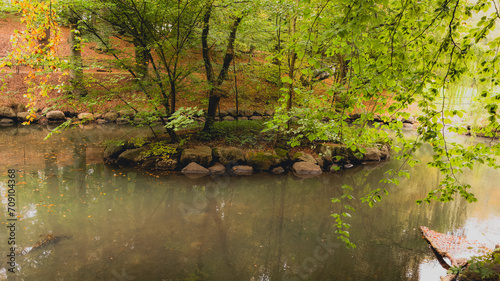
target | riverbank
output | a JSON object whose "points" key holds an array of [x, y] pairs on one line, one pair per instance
{"points": [[237, 148]]}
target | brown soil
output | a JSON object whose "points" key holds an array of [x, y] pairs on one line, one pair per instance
{"points": [[253, 92]]}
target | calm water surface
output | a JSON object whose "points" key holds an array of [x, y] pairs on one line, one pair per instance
{"points": [[118, 224]]}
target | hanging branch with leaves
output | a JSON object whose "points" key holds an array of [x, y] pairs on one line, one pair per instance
{"points": [[35, 48]]}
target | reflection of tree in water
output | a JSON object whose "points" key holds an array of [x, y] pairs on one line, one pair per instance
{"points": [[279, 226], [393, 238], [254, 227]]}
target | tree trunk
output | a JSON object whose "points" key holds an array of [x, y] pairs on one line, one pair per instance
{"points": [[214, 93], [75, 54], [291, 63], [173, 93], [45, 39], [141, 60]]}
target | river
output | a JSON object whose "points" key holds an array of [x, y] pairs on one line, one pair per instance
{"points": [[125, 224]]}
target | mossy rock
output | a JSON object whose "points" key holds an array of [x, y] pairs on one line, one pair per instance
{"points": [[330, 152], [334, 153], [112, 151], [167, 164], [303, 157], [228, 155], [126, 113], [199, 154], [111, 116], [306, 168], [283, 153], [132, 156], [262, 161]]}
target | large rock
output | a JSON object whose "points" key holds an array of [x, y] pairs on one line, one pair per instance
{"points": [[259, 112], [111, 116], [278, 170], [320, 162], [262, 161], [194, 168], [217, 169], [126, 113], [407, 126], [199, 154], [7, 112], [245, 112], [223, 113], [169, 164], [228, 118], [132, 156], [55, 115], [303, 157], [112, 151], [231, 112], [372, 154], [159, 163], [329, 153], [150, 163], [6, 122], [86, 116], [122, 121], [229, 155], [20, 108], [384, 151], [242, 170], [23, 116], [306, 168], [256, 118]]}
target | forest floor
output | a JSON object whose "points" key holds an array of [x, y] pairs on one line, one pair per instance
{"points": [[253, 91], [251, 79]]}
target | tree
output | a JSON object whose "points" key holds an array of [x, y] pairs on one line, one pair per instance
{"points": [[76, 62], [36, 48], [215, 82], [161, 32]]}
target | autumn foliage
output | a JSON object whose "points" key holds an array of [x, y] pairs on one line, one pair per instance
{"points": [[35, 47]]}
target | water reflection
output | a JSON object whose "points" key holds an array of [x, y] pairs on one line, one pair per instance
{"points": [[128, 225]]}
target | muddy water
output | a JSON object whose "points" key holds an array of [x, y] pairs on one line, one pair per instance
{"points": [[116, 224]]}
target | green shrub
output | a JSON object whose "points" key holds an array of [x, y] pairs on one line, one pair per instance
{"points": [[241, 133], [161, 148]]}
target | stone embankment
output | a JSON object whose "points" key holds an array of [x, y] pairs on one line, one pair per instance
{"points": [[16, 114], [204, 160], [12, 115]]}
